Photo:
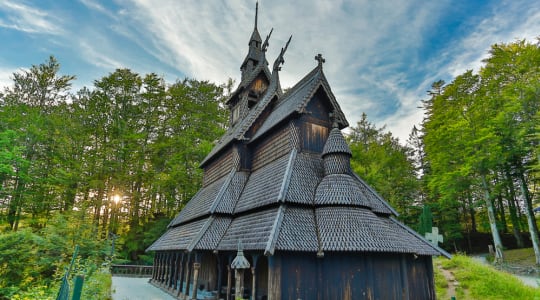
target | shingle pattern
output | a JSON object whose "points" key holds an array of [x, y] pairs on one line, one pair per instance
{"points": [[336, 143], [377, 203], [337, 163], [227, 201], [306, 175], [214, 233], [218, 168], [252, 229], [275, 146], [298, 231], [358, 229], [263, 185], [341, 189], [200, 203], [294, 136], [178, 237]]}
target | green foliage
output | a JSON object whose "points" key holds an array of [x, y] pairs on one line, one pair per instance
{"points": [[383, 163], [121, 154], [478, 140], [478, 281], [34, 262], [426, 220]]}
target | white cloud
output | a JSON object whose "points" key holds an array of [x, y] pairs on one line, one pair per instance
{"points": [[5, 78], [23, 17]]}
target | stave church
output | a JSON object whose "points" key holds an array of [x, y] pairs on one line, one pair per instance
{"points": [[280, 214]]}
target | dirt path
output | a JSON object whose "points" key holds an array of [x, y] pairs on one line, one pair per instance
{"points": [[452, 282]]}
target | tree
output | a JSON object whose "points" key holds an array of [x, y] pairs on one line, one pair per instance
{"points": [[383, 162]]}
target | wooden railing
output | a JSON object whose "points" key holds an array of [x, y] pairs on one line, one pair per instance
{"points": [[131, 270]]}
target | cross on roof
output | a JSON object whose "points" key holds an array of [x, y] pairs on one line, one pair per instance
{"points": [[434, 237], [320, 59]]}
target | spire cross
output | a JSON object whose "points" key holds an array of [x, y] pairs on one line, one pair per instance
{"points": [[320, 59]]}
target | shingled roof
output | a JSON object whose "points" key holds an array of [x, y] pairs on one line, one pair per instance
{"points": [[293, 199]]}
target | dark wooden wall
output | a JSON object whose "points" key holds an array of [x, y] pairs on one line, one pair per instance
{"points": [[348, 276]]}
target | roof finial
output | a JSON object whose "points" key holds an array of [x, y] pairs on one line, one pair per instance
{"points": [[279, 59], [265, 44], [320, 59], [256, 13]]}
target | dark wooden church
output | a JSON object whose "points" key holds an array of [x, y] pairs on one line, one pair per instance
{"points": [[279, 201]]}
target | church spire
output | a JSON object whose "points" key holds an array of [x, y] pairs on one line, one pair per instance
{"points": [[253, 57]]}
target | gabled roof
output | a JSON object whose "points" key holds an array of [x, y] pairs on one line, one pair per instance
{"points": [[238, 131], [298, 97], [261, 68]]}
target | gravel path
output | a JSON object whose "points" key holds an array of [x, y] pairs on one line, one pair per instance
{"points": [[128, 288]]}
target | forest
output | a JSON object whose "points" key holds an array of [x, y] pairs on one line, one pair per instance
{"points": [[115, 162]]}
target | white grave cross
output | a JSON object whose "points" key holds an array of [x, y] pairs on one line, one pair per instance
{"points": [[434, 237]]}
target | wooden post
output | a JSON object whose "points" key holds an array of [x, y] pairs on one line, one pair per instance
{"points": [[253, 285], [274, 277], [181, 272], [188, 275], [229, 279], [254, 277], [196, 267], [220, 273], [239, 276]]}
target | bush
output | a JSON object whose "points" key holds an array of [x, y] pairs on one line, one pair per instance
{"points": [[32, 264]]}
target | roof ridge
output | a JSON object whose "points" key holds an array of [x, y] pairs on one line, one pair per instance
{"points": [[222, 190], [200, 234], [274, 234], [287, 178], [394, 212]]}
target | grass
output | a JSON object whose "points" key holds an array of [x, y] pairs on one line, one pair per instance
{"points": [[478, 281]]}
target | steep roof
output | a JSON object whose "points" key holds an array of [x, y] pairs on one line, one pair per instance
{"points": [[298, 97]]}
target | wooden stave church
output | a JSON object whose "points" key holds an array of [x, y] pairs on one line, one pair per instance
{"points": [[279, 182]]}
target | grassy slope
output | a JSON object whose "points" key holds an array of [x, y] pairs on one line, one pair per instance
{"points": [[478, 281]]}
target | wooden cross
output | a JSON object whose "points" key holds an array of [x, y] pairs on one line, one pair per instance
{"points": [[434, 237], [320, 59]]}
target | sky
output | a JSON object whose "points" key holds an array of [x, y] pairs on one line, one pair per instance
{"points": [[381, 56]]}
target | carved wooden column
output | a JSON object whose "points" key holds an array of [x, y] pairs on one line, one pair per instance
{"points": [[254, 277], [181, 273], [196, 267], [188, 275]]}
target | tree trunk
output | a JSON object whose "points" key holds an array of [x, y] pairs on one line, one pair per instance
{"points": [[499, 257], [516, 224], [471, 212], [501, 212], [533, 229]]}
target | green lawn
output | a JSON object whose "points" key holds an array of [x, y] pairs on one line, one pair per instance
{"points": [[478, 281]]}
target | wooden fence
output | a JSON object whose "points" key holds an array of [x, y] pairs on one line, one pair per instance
{"points": [[131, 270]]}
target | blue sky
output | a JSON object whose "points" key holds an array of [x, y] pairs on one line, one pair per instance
{"points": [[381, 56]]}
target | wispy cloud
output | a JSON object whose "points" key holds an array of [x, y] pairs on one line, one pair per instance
{"points": [[381, 56], [96, 6], [23, 17]]}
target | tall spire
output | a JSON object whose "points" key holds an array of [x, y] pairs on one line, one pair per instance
{"points": [[254, 52], [256, 13]]}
